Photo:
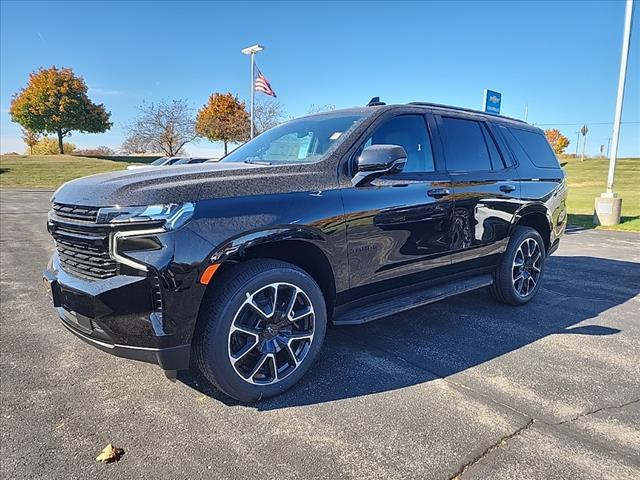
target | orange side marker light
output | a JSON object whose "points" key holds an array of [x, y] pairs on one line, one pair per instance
{"points": [[207, 275]]}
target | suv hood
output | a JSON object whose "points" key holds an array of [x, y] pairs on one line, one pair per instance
{"points": [[155, 185]]}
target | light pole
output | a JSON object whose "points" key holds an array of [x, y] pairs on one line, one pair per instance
{"points": [[608, 205], [252, 50]]}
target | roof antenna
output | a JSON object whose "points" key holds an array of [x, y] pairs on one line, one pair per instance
{"points": [[375, 102]]}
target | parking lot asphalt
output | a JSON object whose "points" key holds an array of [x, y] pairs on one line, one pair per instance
{"points": [[465, 387]]}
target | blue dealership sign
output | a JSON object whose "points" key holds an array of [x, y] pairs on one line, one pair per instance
{"points": [[491, 102]]}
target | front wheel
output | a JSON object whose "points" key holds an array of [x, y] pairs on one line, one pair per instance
{"points": [[261, 329], [518, 276]]}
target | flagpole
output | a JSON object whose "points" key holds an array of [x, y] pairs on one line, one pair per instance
{"points": [[253, 61], [608, 205], [620, 98], [252, 50]]}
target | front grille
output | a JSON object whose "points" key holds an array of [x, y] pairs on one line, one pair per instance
{"points": [[75, 212], [82, 245], [84, 251]]}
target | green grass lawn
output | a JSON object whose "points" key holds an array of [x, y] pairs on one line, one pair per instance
{"points": [[588, 179], [50, 170]]}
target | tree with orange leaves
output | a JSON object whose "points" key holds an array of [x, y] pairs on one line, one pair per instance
{"points": [[557, 140], [30, 139], [224, 118], [56, 101]]}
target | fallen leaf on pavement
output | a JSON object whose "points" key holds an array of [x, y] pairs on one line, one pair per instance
{"points": [[110, 454]]}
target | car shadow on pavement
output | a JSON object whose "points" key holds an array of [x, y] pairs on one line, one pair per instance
{"points": [[448, 337]]}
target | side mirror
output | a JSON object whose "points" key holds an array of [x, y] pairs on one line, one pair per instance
{"points": [[377, 160]]}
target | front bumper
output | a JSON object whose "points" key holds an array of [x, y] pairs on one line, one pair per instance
{"points": [[169, 358], [116, 315]]}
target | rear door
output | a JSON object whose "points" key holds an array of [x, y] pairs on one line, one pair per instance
{"points": [[399, 225], [486, 190]]}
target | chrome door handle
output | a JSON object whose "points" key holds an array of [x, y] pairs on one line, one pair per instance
{"points": [[438, 192], [507, 188]]}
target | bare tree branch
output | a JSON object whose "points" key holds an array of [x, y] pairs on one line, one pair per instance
{"points": [[163, 127], [313, 108], [267, 114]]}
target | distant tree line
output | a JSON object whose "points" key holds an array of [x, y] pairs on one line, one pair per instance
{"points": [[167, 126], [55, 102], [44, 145]]}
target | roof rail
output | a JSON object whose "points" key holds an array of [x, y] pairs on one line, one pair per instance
{"points": [[462, 109]]}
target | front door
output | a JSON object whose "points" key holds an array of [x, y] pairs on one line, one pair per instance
{"points": [[399, 225]]}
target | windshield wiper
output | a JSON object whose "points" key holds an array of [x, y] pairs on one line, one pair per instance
{"points": [[258, 162]]}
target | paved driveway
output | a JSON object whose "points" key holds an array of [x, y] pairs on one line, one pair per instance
{"points": [[464, 387]]}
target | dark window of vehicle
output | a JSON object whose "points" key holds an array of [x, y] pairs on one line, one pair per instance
{"points": [[410, 132], [465, 147], [497, 162], [534, 145]]}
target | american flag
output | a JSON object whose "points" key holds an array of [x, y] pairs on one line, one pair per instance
{"points": [[263, 85]]}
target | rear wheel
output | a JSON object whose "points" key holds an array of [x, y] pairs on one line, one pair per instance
{"points": [[261, 330], [519, 274]]}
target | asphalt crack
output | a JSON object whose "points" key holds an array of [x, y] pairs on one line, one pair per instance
{"points": [[490, 449], [502, 440], [597, 410]]}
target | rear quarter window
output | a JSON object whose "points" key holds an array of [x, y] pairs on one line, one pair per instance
{"points": [[532, 145]]}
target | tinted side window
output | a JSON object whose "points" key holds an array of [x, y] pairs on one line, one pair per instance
{"points": [[497, 162], [410, 132], [465, 148], [534, 145]]}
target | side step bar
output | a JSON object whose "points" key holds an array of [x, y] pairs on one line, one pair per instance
{"points": [[408, 301]]}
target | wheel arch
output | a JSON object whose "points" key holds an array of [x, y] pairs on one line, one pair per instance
{"points": [[538, 218], [300, 246]]}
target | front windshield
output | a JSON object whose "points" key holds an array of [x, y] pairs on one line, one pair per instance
{"points": [[299, 141]]}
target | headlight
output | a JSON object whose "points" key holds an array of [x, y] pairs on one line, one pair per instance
{"points": [[174, 215], [147, 219]]}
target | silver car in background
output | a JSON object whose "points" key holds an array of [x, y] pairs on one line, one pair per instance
{"points": [[168, 161]]}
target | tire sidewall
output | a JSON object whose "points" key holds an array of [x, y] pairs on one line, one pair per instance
{"points": [[505, 283], [216, 342]]}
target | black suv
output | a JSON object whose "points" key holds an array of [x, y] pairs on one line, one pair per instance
{"points": [[346, 216]]}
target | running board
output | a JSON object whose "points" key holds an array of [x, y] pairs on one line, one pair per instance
{"points": [[408, 301]]}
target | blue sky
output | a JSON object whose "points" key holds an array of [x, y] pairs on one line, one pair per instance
{"points": [[560, 58]]}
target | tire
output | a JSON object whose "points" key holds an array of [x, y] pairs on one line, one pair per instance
{"points": [[246, 347], [515, 285]]}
